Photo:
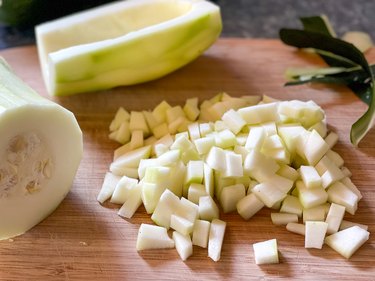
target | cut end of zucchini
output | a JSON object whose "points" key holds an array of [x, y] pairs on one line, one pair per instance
{"points": [[40, 151]]}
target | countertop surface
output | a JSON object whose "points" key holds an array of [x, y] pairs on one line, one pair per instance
{"points": [[258, 19]]}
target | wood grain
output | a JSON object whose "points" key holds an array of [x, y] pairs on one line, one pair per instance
{"points": [[83, 240]]}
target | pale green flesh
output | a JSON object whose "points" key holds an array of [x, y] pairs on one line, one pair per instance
{"points": [[155, 48], [112, 24]]}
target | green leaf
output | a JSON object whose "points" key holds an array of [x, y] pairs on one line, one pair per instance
{"points": [[363, 90], [356, 79], [320, 24], [335, 60], [364, 123], [318, 41], [293, 73]]}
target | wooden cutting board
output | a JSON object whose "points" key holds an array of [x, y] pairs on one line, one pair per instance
{"points": [[83, 240]]}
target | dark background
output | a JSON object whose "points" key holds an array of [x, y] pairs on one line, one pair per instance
{"points": [[254, 18]]}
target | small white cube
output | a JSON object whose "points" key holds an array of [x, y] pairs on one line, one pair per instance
{"points": [[201, 232], [310, 176], [347, 241], [215, 238], [315, 233], [183, 244], [266, 252]]}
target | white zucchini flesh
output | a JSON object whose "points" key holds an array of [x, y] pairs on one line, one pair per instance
{"points": [[40, 151]]}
